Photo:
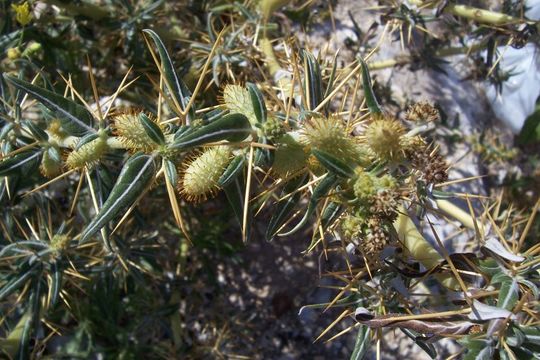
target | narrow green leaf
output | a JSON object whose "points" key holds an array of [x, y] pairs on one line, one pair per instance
{"points": [[177, 89], [333, 164], [17, 281], [136, 175], [235, 195], [24, 340], [362, 344], [31, 244], [85, 140], [371, 100], [320, 191], [170, 171], [532, 286], [38, 133], [232, 171], [508, 294], [182, 131], [257, 99], [485, 353], [284, 209], [428, 348], [152, 130], [313, 80], [503, 355], [351, 300], [330, 214], [231, 127], [56, 283], [331, 80], [75, 119], [8, 40], [11, 344], [438, 194], [264, 157], [35, 299], [54, 154], [532, 334], [20, 162]]}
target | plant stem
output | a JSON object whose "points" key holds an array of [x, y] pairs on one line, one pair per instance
{"points": [[473, 13], [420, 249], [86, 9], [460, 215], [403, 59]]}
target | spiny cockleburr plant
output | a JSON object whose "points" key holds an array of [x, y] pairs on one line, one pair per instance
{"points": [[195, 152], [369, 180]]}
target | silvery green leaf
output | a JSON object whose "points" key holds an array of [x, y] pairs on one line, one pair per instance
{"points": [[514, 336], [350, 300], [483, 312], [170, 171], [532, 334], [503, 355], [321, 190], [17, 280], [257, 101], [371, 100], [137, 173], [21, 162], [532, 286], [493, 245], [233, 170], [485, 353], [177, 89], [12, 343], [9, 40], [331, 79], [362, 344], [428, 348], [363, 314], [24, 339], [284, 208], [330, 214], [152, 130], [235, 195], [56, 283], [38, 133], [231, 127], [313, 80], [76, 120], [333, 164], [508, 294]]}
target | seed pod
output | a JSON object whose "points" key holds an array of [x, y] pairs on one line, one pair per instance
{"points": [[273, 129], [201, 176], [375, 240], [290, 157], [132, 133], [422, 111], [431, 165], [51, 163], [55, 129], [13, 53], [238, 100], [60, 242], [88, 152], [383, 138], [384, 204], [364, 185], [332, 137]]}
